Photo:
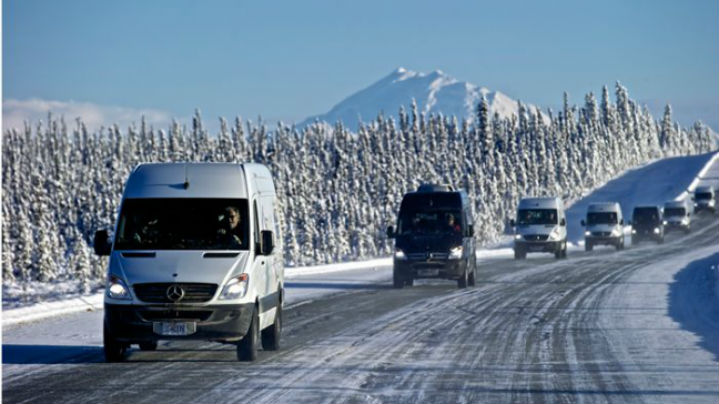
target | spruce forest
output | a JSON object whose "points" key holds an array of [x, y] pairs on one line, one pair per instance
{"points": [[337, 190]]}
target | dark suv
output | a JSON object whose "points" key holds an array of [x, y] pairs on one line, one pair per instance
{"points": [[647, 223], [434, 237]]}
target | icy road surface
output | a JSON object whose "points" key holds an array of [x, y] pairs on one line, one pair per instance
{"points": [[604, 326]]}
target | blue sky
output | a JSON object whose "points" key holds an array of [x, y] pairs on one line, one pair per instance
{"points": [[289, 60]]}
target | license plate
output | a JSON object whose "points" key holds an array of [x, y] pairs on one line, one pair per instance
{"points": [[536, 248], [174, 328], [428, 272]]}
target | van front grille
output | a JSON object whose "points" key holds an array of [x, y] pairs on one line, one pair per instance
{"points": [[536, 237], [191, 292]]}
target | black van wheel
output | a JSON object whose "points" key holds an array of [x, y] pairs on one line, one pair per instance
{"points": [[114, 350], [148, 346], [462, 281], [271, 334], [564, 250], [397, 281], [409, 282], [473, 275], [247, 347], [588, 246], [519, 254]]}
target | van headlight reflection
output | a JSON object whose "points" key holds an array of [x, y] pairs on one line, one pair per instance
{"points": [[235, 288]]}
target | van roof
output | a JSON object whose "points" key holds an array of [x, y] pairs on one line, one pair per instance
{"points": [[540, 203], [603, 207], [704, 188], [675, 204], [187, 180]]}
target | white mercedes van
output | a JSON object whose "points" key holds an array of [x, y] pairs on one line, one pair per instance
{"points": [[604, 225], [678, 215], [541, 226], [196, 254]]}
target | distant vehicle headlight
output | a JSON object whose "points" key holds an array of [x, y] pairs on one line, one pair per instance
{"points": [[634, 231], [117, 289], [399, 254], [656, 230], [235, 288], [456, 253], [665, 222]]}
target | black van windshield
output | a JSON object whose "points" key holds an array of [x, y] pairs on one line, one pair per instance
{"points": [[536, 216], [703, 195], [645, 215], [601, 218], [433, 213], [183, 224]]}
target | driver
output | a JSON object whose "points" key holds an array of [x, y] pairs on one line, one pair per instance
{"points": [[228, 235]]}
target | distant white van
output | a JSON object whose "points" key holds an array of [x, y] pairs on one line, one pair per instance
{"points": [[678, 215], [604, 225], [704, 199], [196, 255], [541, 226]]}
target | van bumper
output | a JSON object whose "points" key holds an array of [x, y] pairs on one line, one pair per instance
{"points": [[537, 246], [607, 240], [449, 269], [134, 323]]}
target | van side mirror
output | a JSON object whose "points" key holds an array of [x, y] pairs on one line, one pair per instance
{"points": [[583, 224], [621, 222], [390, 232], [512, 223], [563, 222], [268, 242], [470, 230], [101, 243]]}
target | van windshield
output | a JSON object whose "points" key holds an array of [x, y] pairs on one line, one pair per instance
{"points": [[183, 224], [601, 218], [433, 213], [702, 195], [669, 212], [536, 216], [646, 215]]}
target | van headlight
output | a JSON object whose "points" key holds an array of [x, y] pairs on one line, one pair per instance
{"points": [[455, 253], [665, 223], [634, 231], [616, 232], [554, 235], [587, 233], [399, 254], [235, 288], [656, 230], [517, 236], [116, 288]]}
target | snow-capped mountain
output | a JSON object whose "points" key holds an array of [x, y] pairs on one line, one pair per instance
{"points": [[434, 92]]}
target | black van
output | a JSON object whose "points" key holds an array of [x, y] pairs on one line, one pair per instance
{"points": [[434, 237], [647, 223]]}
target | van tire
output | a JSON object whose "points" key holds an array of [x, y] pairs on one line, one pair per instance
{"points": [[519, 254], [247, 347], [463, 280], [397, 281], [588, 246], [409, 282], [148, 346], [114, 350], [564, 250], [473, 275], [271, 334]]}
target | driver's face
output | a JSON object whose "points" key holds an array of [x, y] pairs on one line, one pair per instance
{"points": [[232, 218]]}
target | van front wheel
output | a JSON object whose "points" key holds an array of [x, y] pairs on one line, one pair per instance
{"points": [[397, 281], [271, 334], [114, 350], [247, 347]]}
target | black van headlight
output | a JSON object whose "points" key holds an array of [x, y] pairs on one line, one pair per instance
{"points": [[235, 287], [456, 253], [399, 254], [116, 288]]}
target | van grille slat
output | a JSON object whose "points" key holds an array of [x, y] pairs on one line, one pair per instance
{"points": [[157, 292]]}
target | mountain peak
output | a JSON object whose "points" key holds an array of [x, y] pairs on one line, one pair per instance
{"points": [[434, 92]]}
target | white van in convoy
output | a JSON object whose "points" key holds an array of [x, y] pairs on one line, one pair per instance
{"points": [[541, 226], [704, 199], [678, 215], [196, 254], [604, 225]]}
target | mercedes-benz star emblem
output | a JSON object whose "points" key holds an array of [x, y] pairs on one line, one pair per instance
{"points": [[175, 293]]}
